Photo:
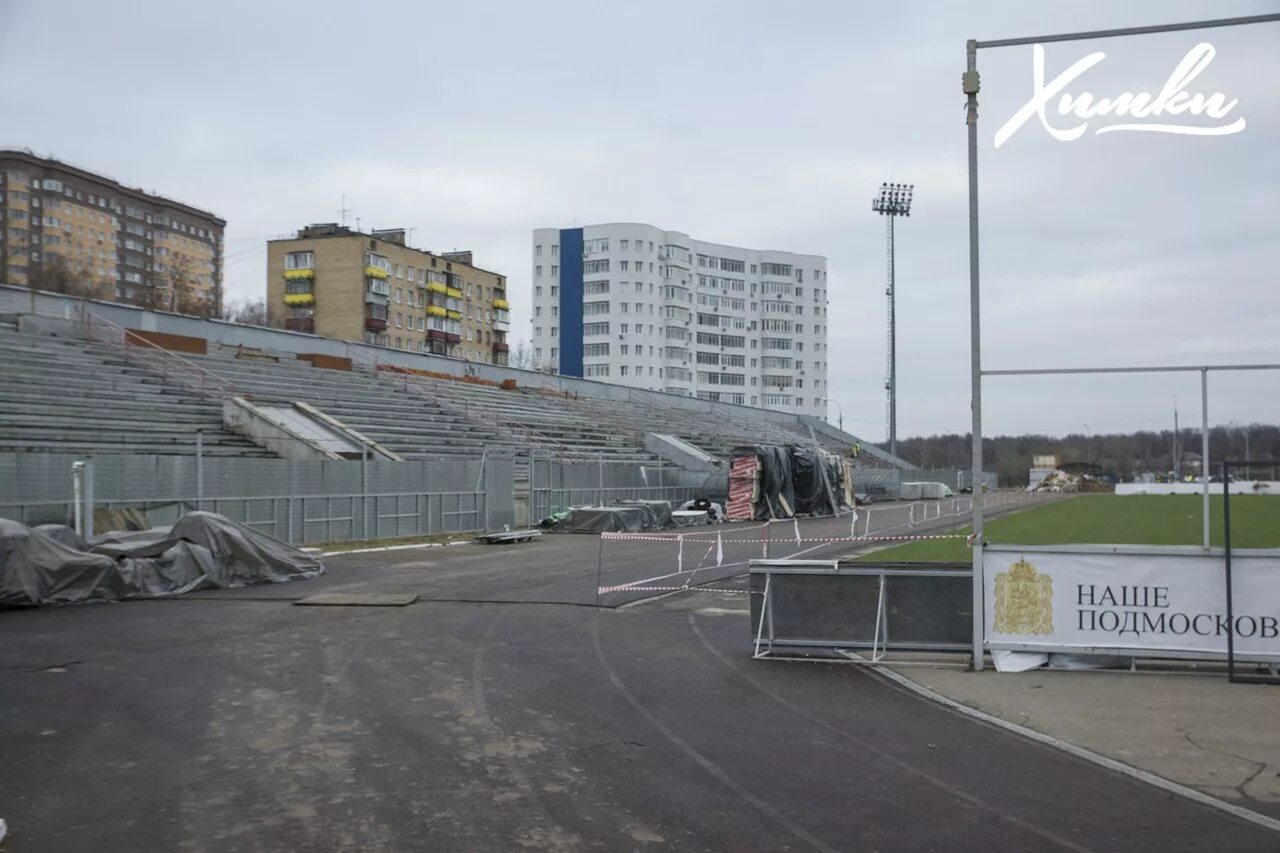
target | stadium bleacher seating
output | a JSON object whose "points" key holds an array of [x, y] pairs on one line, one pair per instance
{"points": [[70, 394]]}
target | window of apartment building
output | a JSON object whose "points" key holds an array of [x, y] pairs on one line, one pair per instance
{"points": [[537, 310], [537, 331], [554, 288], [595, 370], [589, 267], [300, 260], [422, 324], [555, 250], [591, 329], [537, 251], [555, 311], [623, 244], [555, 331], [601, 307], [399, 318], [537, 271], [596, 350], [623, 265], [623, 307]]}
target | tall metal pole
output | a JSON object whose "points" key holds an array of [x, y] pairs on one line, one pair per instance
{"points": [[971, 86], [893, 351], [199, 469], [1204, 451]]}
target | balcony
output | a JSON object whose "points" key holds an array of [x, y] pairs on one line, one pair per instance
{"points": [[501, 326], [436, 287], [435, 311], [375, 324], [500, 347], [454, 292], [501, 304], [301, 324], [376, 272], [295, 300], [299, 275]]}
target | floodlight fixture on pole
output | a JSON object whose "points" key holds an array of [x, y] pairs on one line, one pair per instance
{"points": [[894, 201]]}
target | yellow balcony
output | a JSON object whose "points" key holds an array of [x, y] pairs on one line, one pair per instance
{"points": [[501, 303], [435, 311], [295, 275], [376, 272], [454, 292], [299, 299], [436, 287], [454, 315]]}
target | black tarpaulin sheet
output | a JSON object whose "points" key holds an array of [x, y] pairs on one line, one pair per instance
{"points": [[202, 551], [816, 477], [604, 519], [659, 513]]}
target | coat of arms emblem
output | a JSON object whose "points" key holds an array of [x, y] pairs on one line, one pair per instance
{"points": [[1024, 600]]}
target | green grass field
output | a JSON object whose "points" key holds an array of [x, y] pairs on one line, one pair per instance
{"points": [[1113, 520]]}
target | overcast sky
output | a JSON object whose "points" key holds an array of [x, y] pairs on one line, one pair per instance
{"points": [[761, 124]]}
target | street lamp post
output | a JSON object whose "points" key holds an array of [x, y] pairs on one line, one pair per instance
{"points": [[894, 201], [840, 409]]}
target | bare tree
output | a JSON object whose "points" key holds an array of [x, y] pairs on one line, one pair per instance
{"points": [[521, 356], [55, 275], [247, 312], [176, 288]]}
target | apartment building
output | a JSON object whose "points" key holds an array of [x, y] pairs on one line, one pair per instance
{"points": [[339, 283], [71, 230], [635, 305]]}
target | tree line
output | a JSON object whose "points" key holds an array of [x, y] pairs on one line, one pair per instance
{"points": [[1119, 456]]}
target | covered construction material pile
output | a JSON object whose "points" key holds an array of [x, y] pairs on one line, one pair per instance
{"points": [[52, 565], [774, 481], [1062, 481], [630, 516]]}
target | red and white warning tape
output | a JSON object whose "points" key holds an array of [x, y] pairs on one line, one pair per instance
{"points": [[640, 537], [608, 589]]}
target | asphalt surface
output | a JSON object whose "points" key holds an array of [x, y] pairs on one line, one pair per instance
{"points": [[506, 711]]}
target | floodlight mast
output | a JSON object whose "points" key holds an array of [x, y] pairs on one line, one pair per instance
{"points": [[894, 201]]}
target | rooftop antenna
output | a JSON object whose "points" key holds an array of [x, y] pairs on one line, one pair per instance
{"points": [[358, 224], [344, 210]]}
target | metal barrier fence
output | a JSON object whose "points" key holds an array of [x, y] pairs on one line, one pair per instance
{"points": [[300, 501], [556, 485], [835, 605], [298, 519], [547, 501]]}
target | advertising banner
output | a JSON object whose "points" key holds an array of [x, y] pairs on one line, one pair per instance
{"points": [[1170, 600]]}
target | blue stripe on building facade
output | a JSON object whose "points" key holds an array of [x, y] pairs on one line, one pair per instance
{"points": [[570, 342]]}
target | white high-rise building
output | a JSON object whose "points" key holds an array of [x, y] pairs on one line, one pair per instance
{"points": [[635, 305]]}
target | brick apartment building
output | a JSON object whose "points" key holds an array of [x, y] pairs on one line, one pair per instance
{"points": [[71, 230], [339, 283]]}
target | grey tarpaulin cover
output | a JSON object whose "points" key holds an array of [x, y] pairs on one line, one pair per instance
{"points": [[603, 519], [659, 513], [203, 550]]}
